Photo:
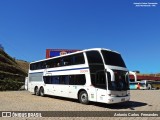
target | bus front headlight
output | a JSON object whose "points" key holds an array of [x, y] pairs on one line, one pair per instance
{"points": [[112, 95]]}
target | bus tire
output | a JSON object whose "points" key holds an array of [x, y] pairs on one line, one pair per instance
{"points": [[36, 91], [41, 92], [83, 97], [149, 87]]}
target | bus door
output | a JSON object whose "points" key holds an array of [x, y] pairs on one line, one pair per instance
{"points": [[98, 79], [101, 86]]}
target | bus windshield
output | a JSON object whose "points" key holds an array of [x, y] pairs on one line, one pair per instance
{"points": [[112, 58], [121, 81]]}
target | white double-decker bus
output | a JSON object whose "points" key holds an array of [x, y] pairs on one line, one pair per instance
{"points": [[98, 75]]}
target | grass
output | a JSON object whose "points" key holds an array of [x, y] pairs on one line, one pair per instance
{"points": [[10, 84], [12, 72]]}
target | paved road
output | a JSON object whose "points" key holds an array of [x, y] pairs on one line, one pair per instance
{"points": [[141, 100]]}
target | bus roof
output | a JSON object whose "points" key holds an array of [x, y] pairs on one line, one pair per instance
{"points": [[98, 49]]}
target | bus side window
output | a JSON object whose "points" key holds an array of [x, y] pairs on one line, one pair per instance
{"points": [[43, 65], [49, 64], [80, 79], [38, 66], [47, 79], [64, 80], [33, 66], [57, 62], [66, 61], [71, 80], [78, 59], [77, 79], [56, 79]]}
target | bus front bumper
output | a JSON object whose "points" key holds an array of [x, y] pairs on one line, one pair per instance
{"points": [[112, 100]]}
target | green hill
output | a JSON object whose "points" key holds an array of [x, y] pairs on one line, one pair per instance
{"points": [[12, 72]]}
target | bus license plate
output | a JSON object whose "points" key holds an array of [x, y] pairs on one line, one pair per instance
{"points": [[123, 99]]}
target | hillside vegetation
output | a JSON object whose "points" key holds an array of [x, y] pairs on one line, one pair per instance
{"points": [[12, 72]]}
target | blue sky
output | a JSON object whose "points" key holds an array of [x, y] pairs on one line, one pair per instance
{"points": [[29, 27]]}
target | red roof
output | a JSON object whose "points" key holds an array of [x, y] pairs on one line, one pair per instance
{"points": [[145, 77]]}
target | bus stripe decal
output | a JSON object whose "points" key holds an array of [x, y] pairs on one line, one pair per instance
{"points": [[69, 69], [63, 70]]}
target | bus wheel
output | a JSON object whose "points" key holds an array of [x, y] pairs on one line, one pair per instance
{"points": [[149, 87], [36, 91], [83, 97], [41, 91]]}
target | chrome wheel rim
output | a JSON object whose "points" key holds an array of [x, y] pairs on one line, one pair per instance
{"points": [[84, 97]]}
